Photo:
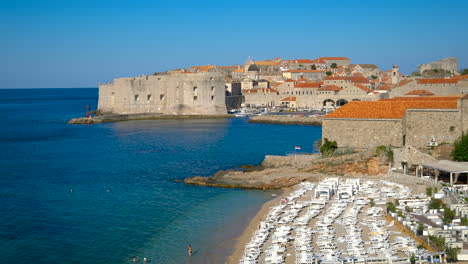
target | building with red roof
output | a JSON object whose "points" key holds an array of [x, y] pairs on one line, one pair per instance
{"points": [[397, 122]]}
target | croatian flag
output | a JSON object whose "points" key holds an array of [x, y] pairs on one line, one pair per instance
{"points": [[297, 148]]}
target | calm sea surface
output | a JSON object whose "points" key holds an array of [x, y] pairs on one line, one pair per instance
{"points": [[124, 201]]}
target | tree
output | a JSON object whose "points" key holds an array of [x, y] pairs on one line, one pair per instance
{"points": [[328, 73], [464, 72], [452, 254], [333, 66], [435, 203], [328, 148], [460, 148], [437, 241], [429, 191], [371, 202], [313, 67], [412, 259], [374, 77], [448, 216], [391, 207], [464, 221], [420, 229]]}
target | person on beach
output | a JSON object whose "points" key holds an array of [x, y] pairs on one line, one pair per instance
{"points": [[145, 260], [134, 259], [189, 248]]}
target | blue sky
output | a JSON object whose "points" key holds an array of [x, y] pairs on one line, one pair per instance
{"points": [[80, 43]]}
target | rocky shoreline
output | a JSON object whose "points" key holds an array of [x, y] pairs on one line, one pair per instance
{"points": [[287, 120], [278, 172], [116, 118]]}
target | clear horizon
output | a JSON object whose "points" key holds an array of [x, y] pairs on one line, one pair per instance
{"points": [[56, 44]]}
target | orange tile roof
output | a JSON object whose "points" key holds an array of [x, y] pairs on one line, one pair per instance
{"points": [[239, 70], [227, 67], [386, 86], [319, 61], [330, 88], [266, 63], [308, 85], [436, 81], [289, 80], [293, 98], [362, 87], [385, 109], [404, 82], [333, 58], [420, 92], [303, 80], [460, 77], [419, 99]]}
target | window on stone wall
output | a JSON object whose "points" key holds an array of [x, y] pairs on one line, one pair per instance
{"points": [[212, 88], [148, 97], [212, 98], [452, 128], [136, 97], [195, 88], [161, 97], [195, 98], [211, 78]]}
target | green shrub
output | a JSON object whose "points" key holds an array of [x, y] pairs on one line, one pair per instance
{"points": [[460, 150], [328, 148]]}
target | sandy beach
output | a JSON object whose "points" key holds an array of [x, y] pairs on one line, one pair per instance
{"points": [[416, 185]]}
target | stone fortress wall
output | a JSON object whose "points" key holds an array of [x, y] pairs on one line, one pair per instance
{"points": [[169, 93], [449, 64]]}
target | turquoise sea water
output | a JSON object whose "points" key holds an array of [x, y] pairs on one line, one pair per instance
{"points": [[124, 201]]}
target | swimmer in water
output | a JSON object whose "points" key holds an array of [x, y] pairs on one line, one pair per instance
{"points": [[189, 248]]}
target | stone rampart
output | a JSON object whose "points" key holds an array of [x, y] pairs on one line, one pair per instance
{"points": [[410, 155], [170, 93]]}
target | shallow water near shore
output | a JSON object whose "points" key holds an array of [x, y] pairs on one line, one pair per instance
{"points": [[104, 193]]}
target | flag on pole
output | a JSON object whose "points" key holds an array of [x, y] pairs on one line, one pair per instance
{"points": [[297, 148]]}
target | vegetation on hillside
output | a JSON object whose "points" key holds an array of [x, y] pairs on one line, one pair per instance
{"points": [[328, 148], [464, 72], [460, 150]]}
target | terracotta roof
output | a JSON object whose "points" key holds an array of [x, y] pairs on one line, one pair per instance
{"points": [[436, 80], [364, 66], [293, 98], [460, 77], [362, 87], [204, 68], [333, 58], [275, 84], [385, 109], [355, 79], [266, 63], [319, 61], [239, 70], [308, 85], [404, 82], [289, 80], [420, 92], [303, 71], [330, 88], [386, 86], [419, 99], [303, 80], [228, 67]]}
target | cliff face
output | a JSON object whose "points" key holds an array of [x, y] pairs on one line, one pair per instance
{"points": [[169, 94]]}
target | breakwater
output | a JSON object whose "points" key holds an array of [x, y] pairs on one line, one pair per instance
{"points": [[115, 118], [287, 120]]}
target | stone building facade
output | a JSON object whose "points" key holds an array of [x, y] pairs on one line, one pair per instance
{"points": [[448, 64], [200, 93], [398, 122]]}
